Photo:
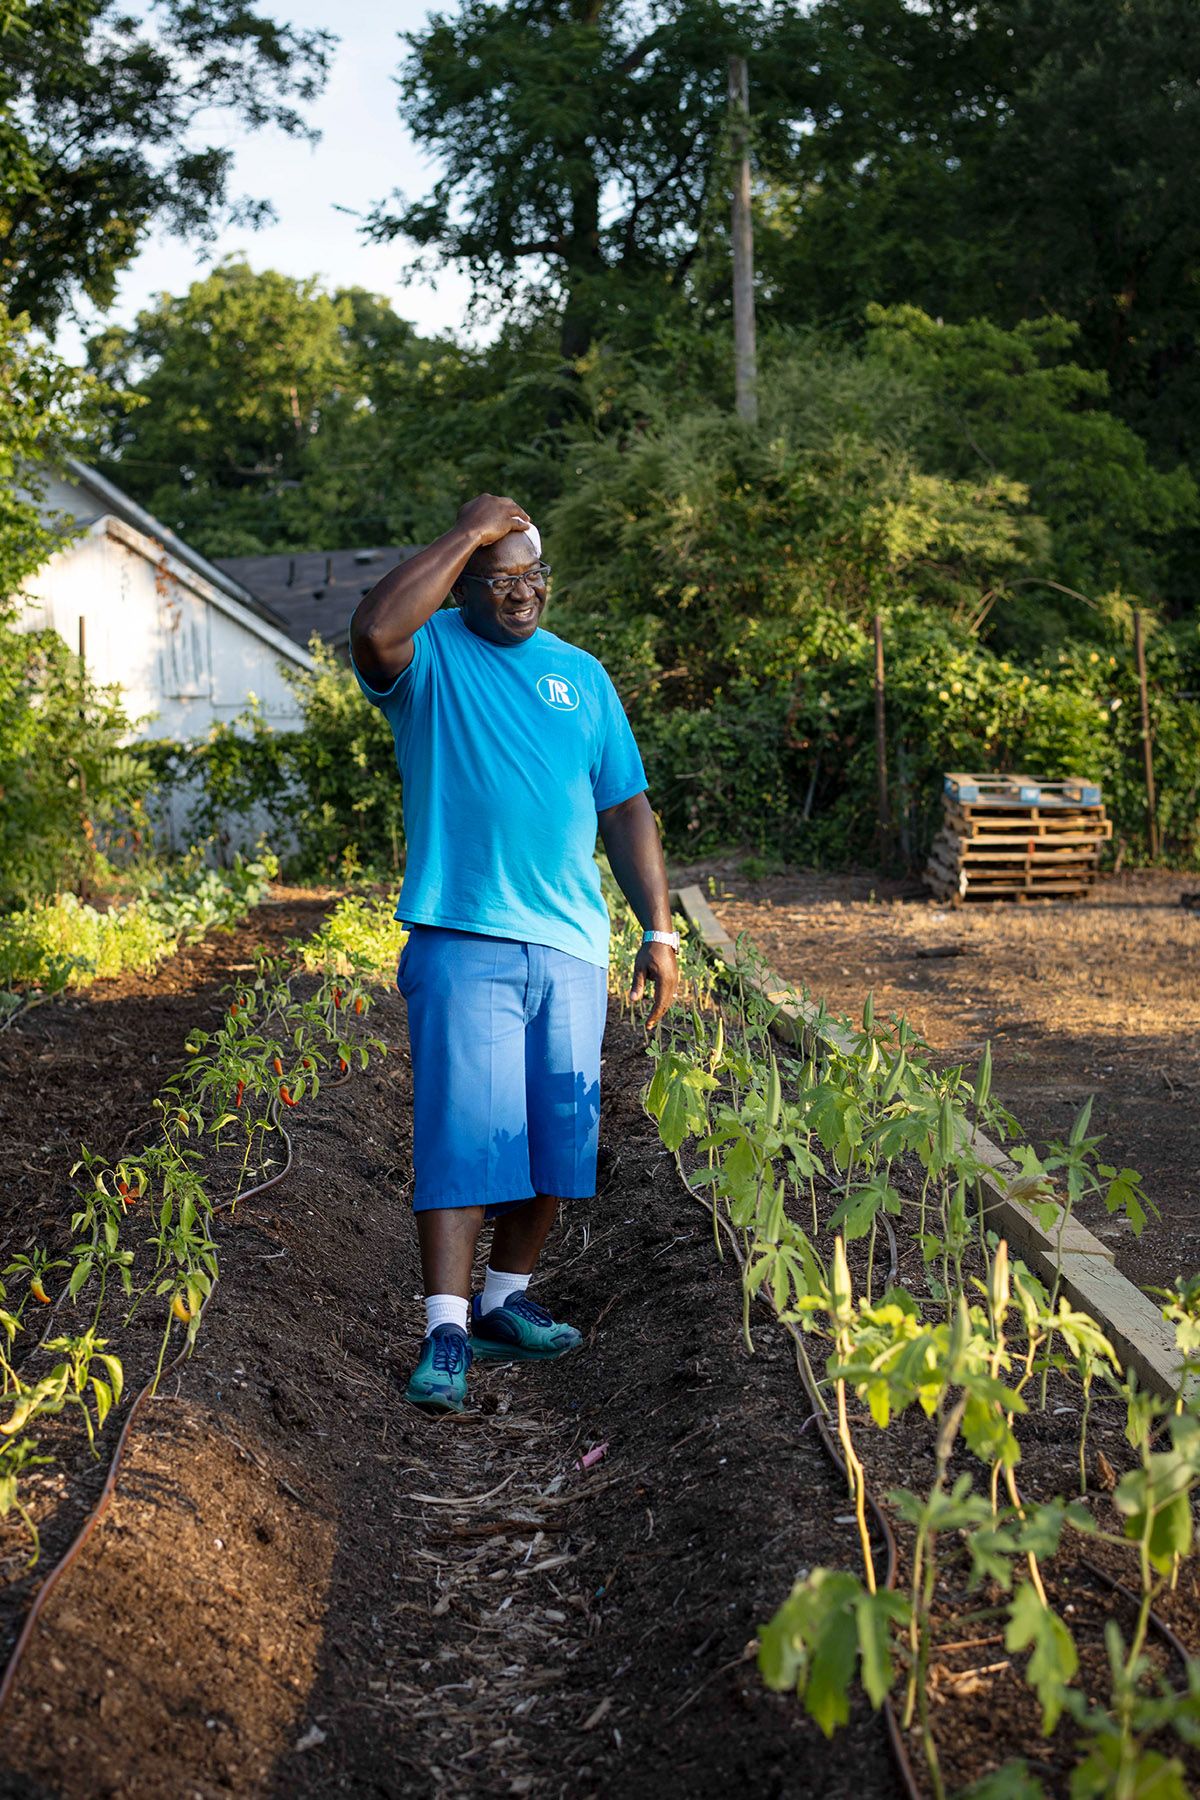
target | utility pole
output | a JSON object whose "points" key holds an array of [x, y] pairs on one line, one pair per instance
{"points": [[745, 357], [1139, 650], [885, 811]]}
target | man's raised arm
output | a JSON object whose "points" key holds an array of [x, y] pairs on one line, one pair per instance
{"points": [[383, 626]]}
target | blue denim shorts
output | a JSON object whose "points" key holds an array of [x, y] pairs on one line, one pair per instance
{"points": [[505, 1043]]}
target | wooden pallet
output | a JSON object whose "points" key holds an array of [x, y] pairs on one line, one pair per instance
{"points": [[1011, 837], [1019, 790], [1029, 822], [947, 895]]}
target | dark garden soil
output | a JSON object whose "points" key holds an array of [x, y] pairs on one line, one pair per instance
{"points": [[304, 1588], [1095, 998]]}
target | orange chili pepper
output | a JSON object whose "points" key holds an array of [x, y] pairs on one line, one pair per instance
{"points": [[38, 1291]]}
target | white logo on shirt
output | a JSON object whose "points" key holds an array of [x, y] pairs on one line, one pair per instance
{"points": [[558, 693]]}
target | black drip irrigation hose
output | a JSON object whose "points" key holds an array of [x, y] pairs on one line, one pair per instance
{"points": [[1162, 1629], [820, 1416], [89, 1525]]}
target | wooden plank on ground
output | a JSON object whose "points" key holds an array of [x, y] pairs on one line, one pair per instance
{"points": [[1090, 1280]]}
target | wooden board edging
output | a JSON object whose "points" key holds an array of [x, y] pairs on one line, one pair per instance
{"points": [[1090, 1280]]}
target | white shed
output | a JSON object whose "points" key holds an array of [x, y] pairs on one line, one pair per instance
{"points": [[187, 643]]}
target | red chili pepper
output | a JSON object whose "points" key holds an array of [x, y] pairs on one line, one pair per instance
{"points": [[337, 997], [278, 1066], [233, 1010], [286, 1097], [307, 1062], [358, 1004], [237, 1098], [343, 1065], [122, 1187]]}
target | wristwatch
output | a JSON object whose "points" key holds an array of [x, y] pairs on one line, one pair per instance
{"points": [[662, 937]]}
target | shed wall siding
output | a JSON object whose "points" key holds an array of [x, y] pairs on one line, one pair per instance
{"points": [[182, 662]]}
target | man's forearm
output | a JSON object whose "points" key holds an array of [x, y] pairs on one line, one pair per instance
{"points": [[407, 598], [629, 833], [383, 626]]}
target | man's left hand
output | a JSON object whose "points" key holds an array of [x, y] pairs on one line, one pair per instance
{"points": [[658, 964]]}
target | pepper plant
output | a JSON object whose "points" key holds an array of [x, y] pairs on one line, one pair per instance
{"points": [[858, 1115]]}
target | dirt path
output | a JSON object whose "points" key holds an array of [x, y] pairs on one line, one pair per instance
{"points": [[304, 1589], [1098, 998]]}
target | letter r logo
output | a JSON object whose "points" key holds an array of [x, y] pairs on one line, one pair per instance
{"points": [[558, 693]]}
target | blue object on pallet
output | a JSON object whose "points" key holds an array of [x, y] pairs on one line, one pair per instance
{"points": [[1001, 792]]}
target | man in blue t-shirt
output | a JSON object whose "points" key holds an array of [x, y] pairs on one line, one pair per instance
{"points": [[513, 748]]}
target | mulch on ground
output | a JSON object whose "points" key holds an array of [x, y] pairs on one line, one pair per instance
{"points": [[304, 1588]]}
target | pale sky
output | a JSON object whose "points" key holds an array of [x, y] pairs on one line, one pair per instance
{"points": [[364, 153]]}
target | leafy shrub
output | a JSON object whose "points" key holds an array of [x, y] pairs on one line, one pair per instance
{"points": [[65, 943], [331, 787], [60, 736], [784, 759], [727, 576], [359, 933]]}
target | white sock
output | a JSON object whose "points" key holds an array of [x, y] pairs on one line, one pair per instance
{"points": [[445, 1309], [498, 1287]]}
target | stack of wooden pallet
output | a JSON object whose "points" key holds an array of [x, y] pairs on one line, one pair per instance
{"points": [[1006, 837]]}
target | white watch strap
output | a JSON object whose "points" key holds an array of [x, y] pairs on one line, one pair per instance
{"points": [[661, 937]]}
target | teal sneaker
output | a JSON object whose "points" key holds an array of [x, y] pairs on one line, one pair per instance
{"points": [[438, 1384], [519, 1331]]}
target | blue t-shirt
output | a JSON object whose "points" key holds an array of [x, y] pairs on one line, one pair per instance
{"points": [[507, 753]]}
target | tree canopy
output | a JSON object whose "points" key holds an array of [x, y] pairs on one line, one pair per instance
{"points": [[1010, 159], [270, 414], [581, 140], [99, 115]]}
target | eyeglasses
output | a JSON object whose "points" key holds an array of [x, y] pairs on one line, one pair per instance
{"points": [[501, 585]]}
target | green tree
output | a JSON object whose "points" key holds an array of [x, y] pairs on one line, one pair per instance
{"points": [[58, 733], [99, 111], [237, 379], [579, 143], [727, 577], [713, 542], [1007, 158], [1014, 400], [273, 415]]}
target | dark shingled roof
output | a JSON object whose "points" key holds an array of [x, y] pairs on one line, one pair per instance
{"points": [[315, 590]]}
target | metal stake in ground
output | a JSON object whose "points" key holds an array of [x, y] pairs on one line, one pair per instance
{"points": [[1147, 751], [745, 357], [885, 818]]}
